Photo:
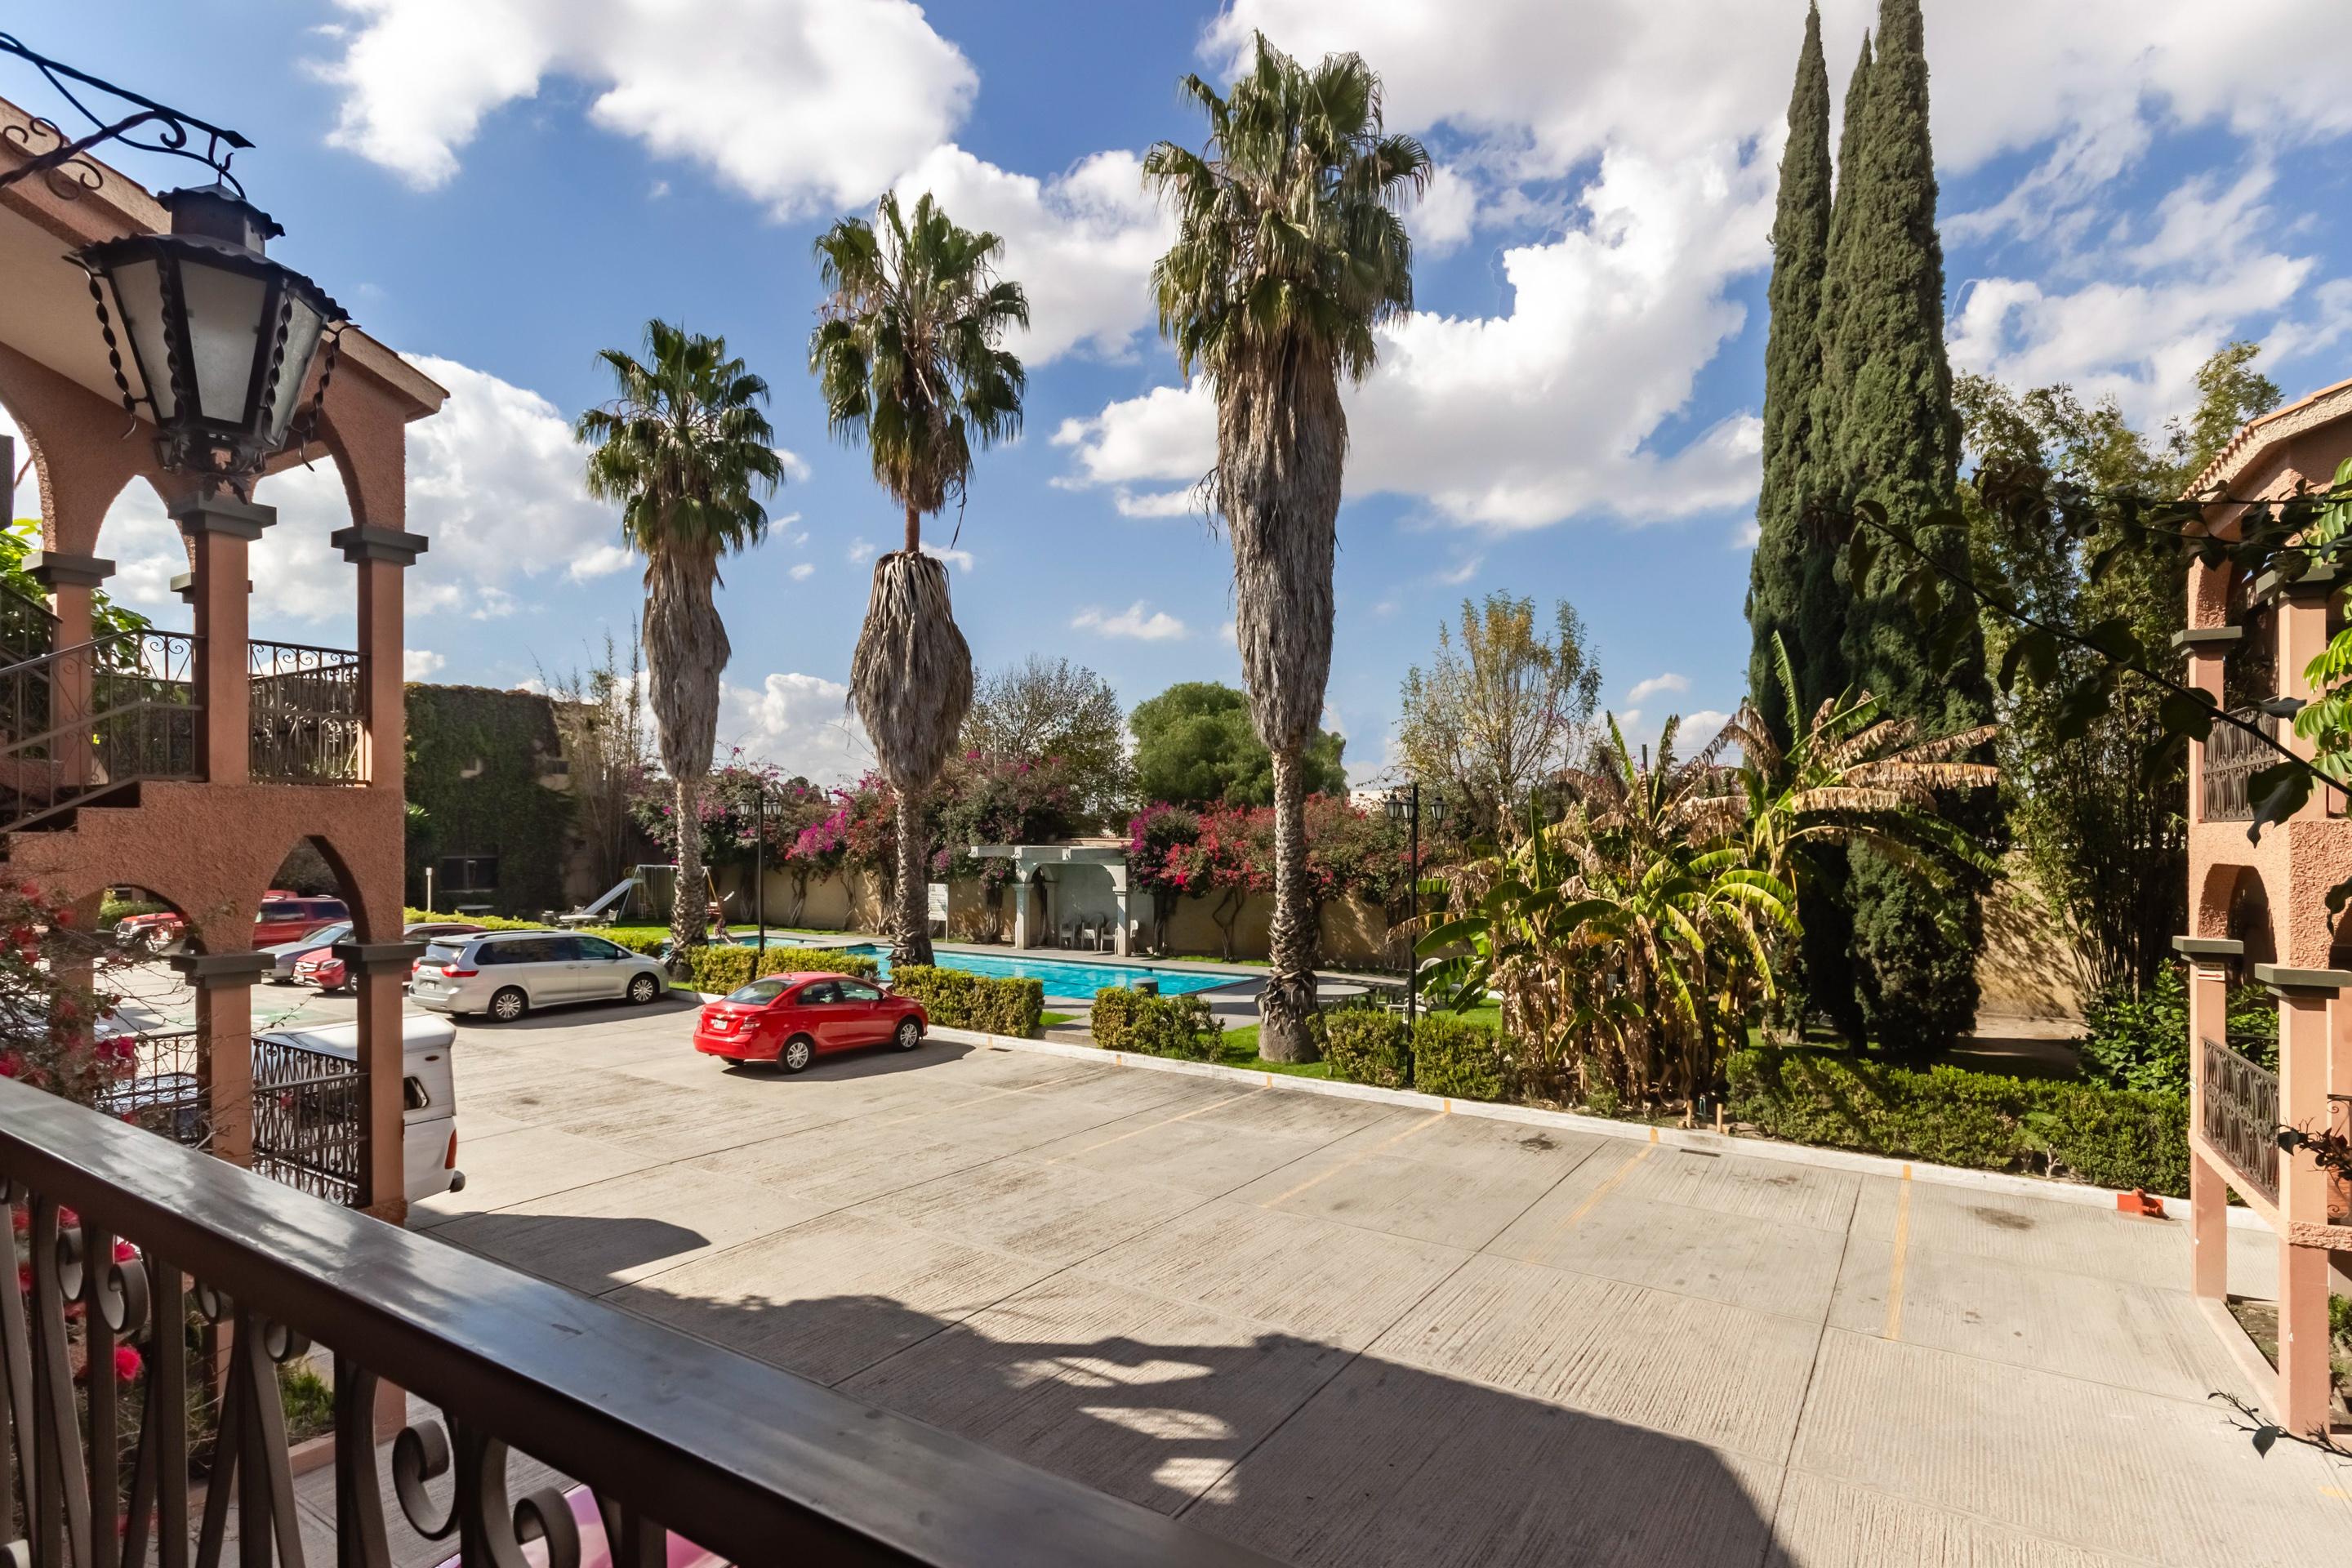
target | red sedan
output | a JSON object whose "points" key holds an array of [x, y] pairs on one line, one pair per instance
{"points": [[792, 1019], [322, 968]]}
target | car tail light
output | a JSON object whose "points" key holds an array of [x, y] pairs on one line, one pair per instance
{"points": [[459, 973], [451, 1162]]}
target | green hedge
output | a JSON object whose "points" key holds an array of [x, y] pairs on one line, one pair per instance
{"points": [[1366, 1045], [2111, 1137], [1460, 1059], [1182, 1026], [724, 969], [959, 999], [646, 940]]}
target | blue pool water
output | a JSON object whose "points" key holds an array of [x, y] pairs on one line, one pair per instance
{"points": [[1062, 979]]}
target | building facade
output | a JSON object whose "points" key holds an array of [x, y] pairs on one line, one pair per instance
{"points": [[188, 763], [2258, 911]]}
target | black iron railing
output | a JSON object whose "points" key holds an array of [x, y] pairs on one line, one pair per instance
{"points": [[2340, 1185], [306, 715], [93, 717], [2240, 1115], [755, 1464], [2232, 758], [309, 1107], [27, 628]]}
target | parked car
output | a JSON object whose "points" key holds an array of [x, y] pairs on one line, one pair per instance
{"points": [[285, 955], [282, 917], [158, 932], [792, 1019], [318, 965], [428, 1141], [506, 974]]}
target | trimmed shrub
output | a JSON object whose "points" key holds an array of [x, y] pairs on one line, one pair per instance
{"points": [[959, 999], [724, 969], [2111, 1137], [1182, 1026], [1459, 1059], [1367, 1045]]}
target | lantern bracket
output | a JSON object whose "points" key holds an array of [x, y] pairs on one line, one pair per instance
{"points": [[176, 133]]}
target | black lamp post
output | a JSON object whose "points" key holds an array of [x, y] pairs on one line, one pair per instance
{"points": [[224, 336], [759, 863], [1404, 805]]}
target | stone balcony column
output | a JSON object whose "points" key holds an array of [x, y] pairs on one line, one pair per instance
{"points": [[71, 581], [220, 528], [378, 969], [381, 555], [2302, 614], [2210, 959], [2306, 1046], [224, 987]]}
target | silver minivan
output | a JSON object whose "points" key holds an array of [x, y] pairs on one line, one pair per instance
{"points": [[506, 974]]}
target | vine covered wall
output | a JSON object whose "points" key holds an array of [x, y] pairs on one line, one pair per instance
{"points": [[475, 762]]}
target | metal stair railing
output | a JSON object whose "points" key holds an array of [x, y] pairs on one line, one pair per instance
{"points": [[93, 717]]}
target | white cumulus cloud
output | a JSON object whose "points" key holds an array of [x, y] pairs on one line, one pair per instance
{"points": [[1644, 689], [801, 723], [1138, 621], [420, 663]]}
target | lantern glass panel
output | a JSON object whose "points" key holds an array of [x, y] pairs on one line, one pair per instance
{"points": [[302, 331], [225, 319], [139, 306]]}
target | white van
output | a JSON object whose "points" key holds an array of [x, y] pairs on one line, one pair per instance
{"points": [[428, 1094]]}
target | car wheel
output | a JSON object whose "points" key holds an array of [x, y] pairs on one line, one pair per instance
{"points": [[910, 1035], [798, 1052], [510, 1004], [644, 989]]}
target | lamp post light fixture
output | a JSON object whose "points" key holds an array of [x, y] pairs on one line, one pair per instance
{"points": [[1404, 805], [223, 336]]}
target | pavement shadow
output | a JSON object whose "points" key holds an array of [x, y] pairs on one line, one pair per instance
{"points": [[1300, 1449]]}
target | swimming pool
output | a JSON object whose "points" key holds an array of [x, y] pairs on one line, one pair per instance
{"points": [[1062, 979]]}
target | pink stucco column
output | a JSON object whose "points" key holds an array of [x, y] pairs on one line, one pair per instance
{"points": [[2305, 1046], [383, 555], [224, 987], [71, 580], [220, 528], [2209, 1200], [379, 969], [2207, 648]]}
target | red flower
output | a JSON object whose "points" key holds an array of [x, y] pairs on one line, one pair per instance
{"points": [[124, 1252], [127, 1365]]}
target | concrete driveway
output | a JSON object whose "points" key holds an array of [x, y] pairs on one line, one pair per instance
{"points": [[1348, 1333]]}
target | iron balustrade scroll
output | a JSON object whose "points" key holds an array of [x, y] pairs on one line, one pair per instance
{"points": [[309, 1109], [94, 716], [306, 713], [2232, 758], [133, 1239], [2240, 1115]]}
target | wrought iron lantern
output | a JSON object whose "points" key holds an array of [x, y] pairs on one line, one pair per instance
{"points": [[223, 336]]}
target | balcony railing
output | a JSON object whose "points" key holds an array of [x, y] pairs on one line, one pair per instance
{"points": [[2240, 1115], [306, 715], [750, 1462], [95, 716], [2232, 758], [308, 1108]]}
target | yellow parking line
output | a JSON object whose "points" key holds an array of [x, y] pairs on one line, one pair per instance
{"points": [[1594, 1196], [1165, 1121], [1360, 1154], [1895, 1270]]}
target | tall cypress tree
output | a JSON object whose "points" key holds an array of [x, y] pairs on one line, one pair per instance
{"points": [[1793, 374], [1891, 435]]}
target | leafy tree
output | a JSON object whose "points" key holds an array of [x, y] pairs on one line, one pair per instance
{"points": [[1194, 744], [985, 799], [1890, 436], [1289, 252], [2112, 861], [1776, 574], [907, 355], [686, 452], [1501, 711], [1231, 856], [1155, 839], [1042, 709]]}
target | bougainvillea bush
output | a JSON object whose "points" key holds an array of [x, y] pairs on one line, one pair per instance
{"points": [[54, 1033]]}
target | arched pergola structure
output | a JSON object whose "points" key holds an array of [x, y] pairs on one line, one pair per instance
{"points": [[266, 744]]}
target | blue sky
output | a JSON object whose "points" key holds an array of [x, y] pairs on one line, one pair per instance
{"points": [[499, 187]]}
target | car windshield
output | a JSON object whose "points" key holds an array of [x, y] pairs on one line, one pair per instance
{"points": [[766, 989], [443, 951], [325, 933]]}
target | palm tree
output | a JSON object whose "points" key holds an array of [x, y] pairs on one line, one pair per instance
{"points": [[907, 356], [683, 448], [1289, 251]]}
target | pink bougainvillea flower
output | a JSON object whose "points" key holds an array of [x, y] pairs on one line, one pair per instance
{"points": [[127, 1362], [124, 1252]]}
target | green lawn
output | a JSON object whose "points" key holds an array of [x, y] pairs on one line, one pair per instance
{"points": [[1047, 1020], [1240, 1051]]}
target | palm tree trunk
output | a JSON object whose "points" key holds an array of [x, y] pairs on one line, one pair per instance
{"points": [[914, 531], [1289, 999], [690, 909], [912, 940]]}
